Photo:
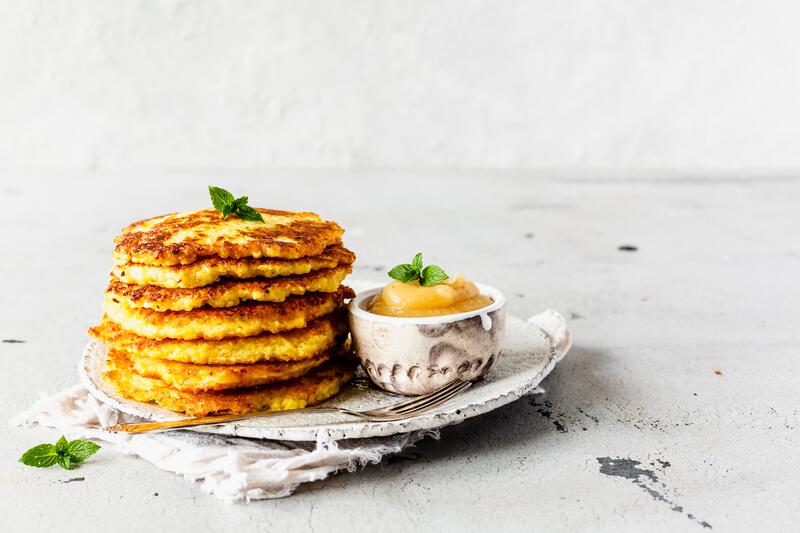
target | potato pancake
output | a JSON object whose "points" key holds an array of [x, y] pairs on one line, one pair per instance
{"points": [[189, 377], [226, 293], [215, 323], [183, 238], [211, 269], [295, 345], [314, 387]]}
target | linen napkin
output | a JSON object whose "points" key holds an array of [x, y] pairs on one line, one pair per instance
{"points": [[235, 468]]}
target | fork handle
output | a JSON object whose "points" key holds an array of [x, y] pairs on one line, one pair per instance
{"points": [[142, 427]]}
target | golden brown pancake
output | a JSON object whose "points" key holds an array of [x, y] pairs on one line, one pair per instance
{"points": [[182, 238], [188, 377], [314, 387], [226, 293], [215, 323], [295, 345], [211, 269]]}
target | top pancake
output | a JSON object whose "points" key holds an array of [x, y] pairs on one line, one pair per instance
{"points": [[182, 238]]}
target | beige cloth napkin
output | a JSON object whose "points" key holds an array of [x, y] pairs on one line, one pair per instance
{"points": [[235, 468], [231, 468]]}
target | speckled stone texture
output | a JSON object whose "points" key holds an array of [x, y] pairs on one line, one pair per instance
{"points": [[677, 405]]}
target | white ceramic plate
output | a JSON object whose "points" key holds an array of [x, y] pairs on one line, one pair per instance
{"points": [[526, 359]]}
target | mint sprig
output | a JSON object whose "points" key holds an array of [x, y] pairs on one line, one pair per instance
{"points": [[408, 272], [225, 203], [66, 454]]}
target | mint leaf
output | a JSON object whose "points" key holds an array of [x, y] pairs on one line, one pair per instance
{"points": [[67, 454], [428, 276], [220, 198], [432, 275], [61, 445], [225, 203], [40, 456], [64, 462], [245, 212], [404, 273], [80, 450], [417, 262]]}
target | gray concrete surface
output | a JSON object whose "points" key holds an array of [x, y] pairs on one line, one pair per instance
{"points": [[676, 410]]}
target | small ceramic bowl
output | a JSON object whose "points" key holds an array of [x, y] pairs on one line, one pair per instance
{"points": [[415, 356]]}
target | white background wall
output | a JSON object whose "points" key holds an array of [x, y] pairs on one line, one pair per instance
{"points": [[697, 86]]}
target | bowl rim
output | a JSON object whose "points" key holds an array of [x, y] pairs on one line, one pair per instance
{"points": [[355, 308]]}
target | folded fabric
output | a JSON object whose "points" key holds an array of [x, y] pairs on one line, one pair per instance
{"points": [[231, 468]]}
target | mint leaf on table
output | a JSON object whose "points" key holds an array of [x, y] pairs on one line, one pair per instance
{"points": [[64, 453], [225, 203], [40, 456], [61, 446], [408, 272], [80, 450], [64, 462]]}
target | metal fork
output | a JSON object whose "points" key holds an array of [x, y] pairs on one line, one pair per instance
{"points": [[400, 411]]}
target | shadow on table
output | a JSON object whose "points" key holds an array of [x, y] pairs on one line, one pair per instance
{"points": [[575, 391]]}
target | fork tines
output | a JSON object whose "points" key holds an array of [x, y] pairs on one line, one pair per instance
{"points": [[426, 400]]}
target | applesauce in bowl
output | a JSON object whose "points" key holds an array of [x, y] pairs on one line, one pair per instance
{"points": [[413, 339]]}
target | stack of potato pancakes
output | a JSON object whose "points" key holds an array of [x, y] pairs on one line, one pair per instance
{"points": [[210, 315]]}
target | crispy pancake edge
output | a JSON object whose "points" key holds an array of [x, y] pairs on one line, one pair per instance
{"points": [[188, 377], [213, 323], [209, 270], [226, 293], [294, 345], [316, 386]]}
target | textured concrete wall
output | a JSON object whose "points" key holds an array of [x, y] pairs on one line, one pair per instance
{"points": [[683, 85]]}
